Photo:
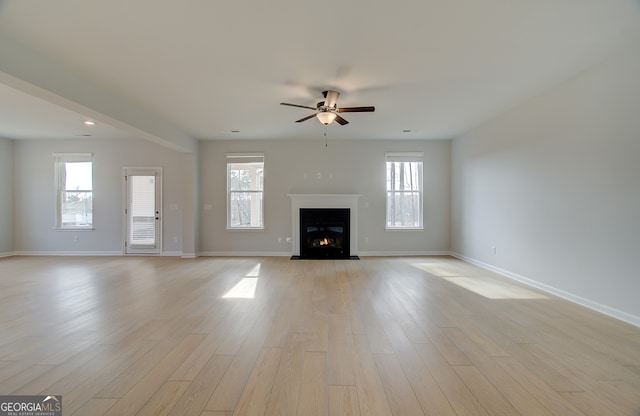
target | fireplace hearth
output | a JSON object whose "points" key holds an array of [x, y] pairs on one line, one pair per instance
{"points": [[324, 233]]}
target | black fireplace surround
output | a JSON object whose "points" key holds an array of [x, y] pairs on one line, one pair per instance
{"points": [[324, 233]]}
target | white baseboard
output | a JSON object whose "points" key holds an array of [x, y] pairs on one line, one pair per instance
{"points": [[244, 254], [93, 253], [402, 253], [163, 254], [598, 307], [67, 253], [289, 254]]}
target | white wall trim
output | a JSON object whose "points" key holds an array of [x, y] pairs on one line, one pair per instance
{"points": [[7, 254], [171, 254], [67, 253], [289, 254], [244, 254], [402, 253], [604, 309]]}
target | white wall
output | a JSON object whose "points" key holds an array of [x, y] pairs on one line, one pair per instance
{"points": [[190, 217], [554, 185], [34, 215], [355, 167], [6, 201]]}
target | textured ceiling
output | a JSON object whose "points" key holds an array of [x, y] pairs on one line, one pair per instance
{"points": [[197, 69]]}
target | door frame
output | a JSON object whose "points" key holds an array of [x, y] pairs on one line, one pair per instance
{"points": [[129, 170]]}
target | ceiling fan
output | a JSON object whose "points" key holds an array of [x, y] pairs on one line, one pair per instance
{"points": [[327, 111]]}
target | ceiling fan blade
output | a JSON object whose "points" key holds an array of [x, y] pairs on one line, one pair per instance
{"points": [[331, 97], [341, 121], [305, 118], [368, 109], [298, 105]]}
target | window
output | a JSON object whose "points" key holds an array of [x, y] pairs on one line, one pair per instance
{"points": [[74, 190], [245, 191], [404, 190]]}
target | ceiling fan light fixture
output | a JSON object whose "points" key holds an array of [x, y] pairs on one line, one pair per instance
{"points": [[326, 117], [327, 111]]}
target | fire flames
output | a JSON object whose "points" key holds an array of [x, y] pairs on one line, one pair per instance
{"points": [[325, 242]]}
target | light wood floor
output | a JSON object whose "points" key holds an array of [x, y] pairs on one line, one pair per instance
{"points": [[271, 336]]}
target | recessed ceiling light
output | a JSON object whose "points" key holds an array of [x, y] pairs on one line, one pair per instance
{"points": [[406, 131], [235, 131], [90, 123], [84, 135]]}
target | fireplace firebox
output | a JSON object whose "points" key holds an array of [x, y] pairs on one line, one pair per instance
{"points": [[324, 233]]}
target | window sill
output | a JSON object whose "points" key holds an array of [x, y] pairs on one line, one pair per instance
{"points": [[73, 229], [405, 229], [245, 229]]}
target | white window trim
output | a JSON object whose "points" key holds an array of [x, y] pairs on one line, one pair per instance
{"points": [[243, 158], [58, 159], [405, 157]]}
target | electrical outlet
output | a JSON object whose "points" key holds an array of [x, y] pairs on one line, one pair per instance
{"points": [[279, 239], [495, 251]]}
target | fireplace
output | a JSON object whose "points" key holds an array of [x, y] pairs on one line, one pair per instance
{"points": [[324, 233], [347, 202]]}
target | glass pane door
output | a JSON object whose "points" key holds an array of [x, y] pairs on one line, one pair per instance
{"points": [[142, 211]]}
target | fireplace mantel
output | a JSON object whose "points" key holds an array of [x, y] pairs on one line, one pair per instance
{"points": [[324, 201]]}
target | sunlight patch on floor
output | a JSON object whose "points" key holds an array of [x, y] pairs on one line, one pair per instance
{"points": [[255, 272], [246, 288], [441, 268], [493, 288], [489, 287]]}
